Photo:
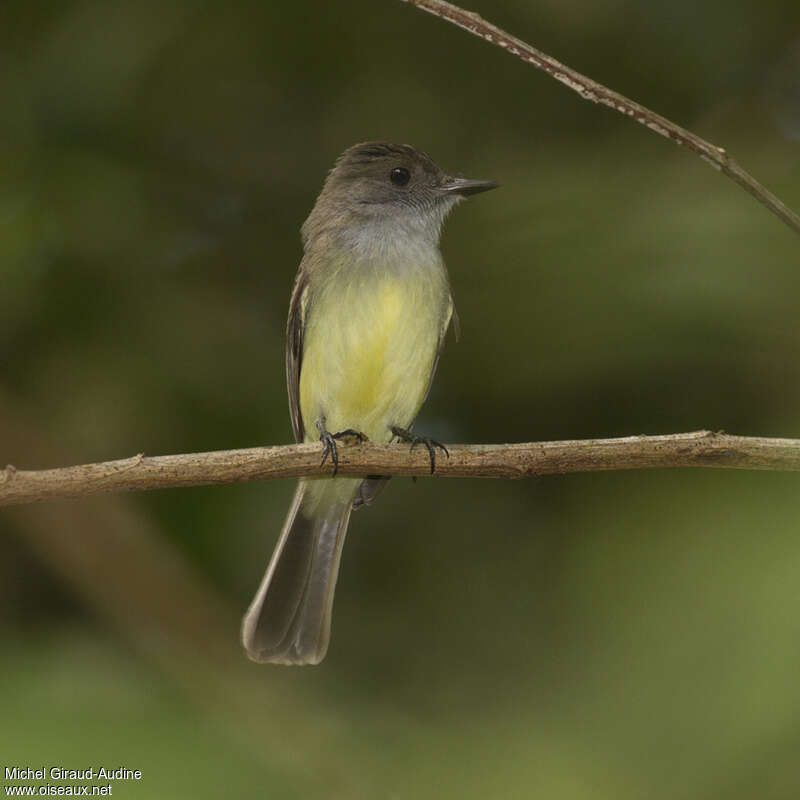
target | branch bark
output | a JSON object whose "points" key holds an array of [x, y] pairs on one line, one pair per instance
{"points": [[588, 89], [697, 449]]}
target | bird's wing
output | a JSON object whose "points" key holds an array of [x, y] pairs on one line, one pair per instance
{"points": [[450, 316], [294, 349]]}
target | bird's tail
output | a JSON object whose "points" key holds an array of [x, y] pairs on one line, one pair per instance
{"points": [[289, 620]]}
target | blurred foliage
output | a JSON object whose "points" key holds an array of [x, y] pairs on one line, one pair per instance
{"points": [[623, 635]]}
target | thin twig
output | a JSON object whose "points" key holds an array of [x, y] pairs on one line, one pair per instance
{"points": [[588, 89], [698, 449]]}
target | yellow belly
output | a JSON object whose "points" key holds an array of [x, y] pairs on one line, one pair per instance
{"points": [[369, 347]]}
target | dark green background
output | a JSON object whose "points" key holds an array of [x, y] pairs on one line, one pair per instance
{"points": [[620, 635]]}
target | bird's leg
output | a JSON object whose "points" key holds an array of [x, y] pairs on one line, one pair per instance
{"points": [[328, 445], [328, 440], [407, 436]]}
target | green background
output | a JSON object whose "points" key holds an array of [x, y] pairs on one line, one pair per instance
{"points": [[619, 635]]}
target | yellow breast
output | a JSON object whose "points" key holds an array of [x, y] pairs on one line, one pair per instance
{"points": [[370, 343]]}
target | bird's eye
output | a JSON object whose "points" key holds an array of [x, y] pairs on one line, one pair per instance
{"points": [[399, 176]]}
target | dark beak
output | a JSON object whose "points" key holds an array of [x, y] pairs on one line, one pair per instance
{"points": [[466, 186]]}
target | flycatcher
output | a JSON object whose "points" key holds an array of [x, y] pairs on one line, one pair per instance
{"points": [[369, 311]]}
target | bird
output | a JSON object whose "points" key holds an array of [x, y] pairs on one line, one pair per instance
{"points": [[369, 311]]}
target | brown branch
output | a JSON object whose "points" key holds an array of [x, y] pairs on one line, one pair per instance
{"points": [[588, 89], [698, 449]]}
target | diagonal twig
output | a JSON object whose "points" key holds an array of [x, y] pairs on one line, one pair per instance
{"points": [[588, 89]]}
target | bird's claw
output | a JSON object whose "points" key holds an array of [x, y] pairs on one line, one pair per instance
{"points": [[329, 446], [412, 438], [362, 437], [329, 449]]}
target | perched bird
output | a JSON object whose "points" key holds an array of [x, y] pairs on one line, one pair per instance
{"points": [[369, 311]]}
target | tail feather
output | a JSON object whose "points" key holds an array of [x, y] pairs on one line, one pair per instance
{"points": [[289, 620]]}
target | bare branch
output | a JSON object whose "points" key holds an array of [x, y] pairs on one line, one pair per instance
{"points": [[588, 89], [698, 449]]}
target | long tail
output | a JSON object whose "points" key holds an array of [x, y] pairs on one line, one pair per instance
{"points": [[289, 620]]}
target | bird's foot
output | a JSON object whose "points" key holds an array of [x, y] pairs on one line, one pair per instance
{"points": [[349, 433], [329, 446], [407, 436]]}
